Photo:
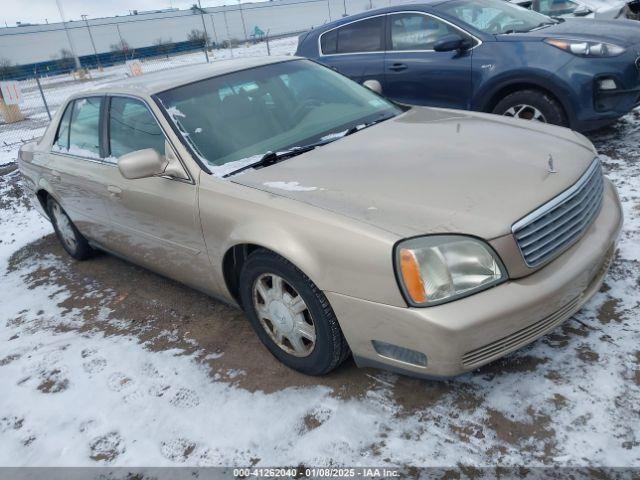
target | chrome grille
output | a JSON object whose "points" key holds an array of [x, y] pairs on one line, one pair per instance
{"points": [[554, 227]]}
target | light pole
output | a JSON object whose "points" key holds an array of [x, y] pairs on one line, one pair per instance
{"points": [[244, 26], [122, 44], [204, 26], [66, 30], [93, 44], [226, 24], [213, 26], [344, 2]]}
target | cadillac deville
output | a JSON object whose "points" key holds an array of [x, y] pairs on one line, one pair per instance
{"points": [[425, 241]]}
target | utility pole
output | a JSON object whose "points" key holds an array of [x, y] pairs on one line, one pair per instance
{"points": [[93, 44], [213, 26], [344, 2], [329, 8], [226, 24], [244, 26], [66, 30], [122, 44], [204, 26]]}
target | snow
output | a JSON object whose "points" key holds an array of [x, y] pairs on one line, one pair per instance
{"points": [[289, 186], [83, 397], [221, 170], [78, 151], [175, 113]]}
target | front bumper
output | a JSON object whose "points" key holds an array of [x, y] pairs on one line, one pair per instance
{"points": [[463, 335], [593, 108]]}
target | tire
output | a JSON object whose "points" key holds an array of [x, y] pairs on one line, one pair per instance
{"points": [[533, 100], [68, 235], [269, 316]]}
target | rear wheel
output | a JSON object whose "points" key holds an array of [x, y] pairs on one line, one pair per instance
{"points": [[70, 238], [532, 105], [290, 315]]}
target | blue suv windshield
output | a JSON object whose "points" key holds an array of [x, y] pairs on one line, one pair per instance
{"points": [[495, 16]]}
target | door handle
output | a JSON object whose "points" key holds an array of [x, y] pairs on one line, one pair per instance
{"points": [[398, 67], [114, 191], [55, 175]]}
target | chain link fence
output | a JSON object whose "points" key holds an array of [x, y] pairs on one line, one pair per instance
{"points": [[211, 34], [43, 94]]}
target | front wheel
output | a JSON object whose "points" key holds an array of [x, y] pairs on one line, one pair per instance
{"points": [[290, 315], [70, 238], [532, 105]]}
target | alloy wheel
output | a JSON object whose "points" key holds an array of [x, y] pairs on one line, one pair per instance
{"points": [[525, 112], [284, 315]]}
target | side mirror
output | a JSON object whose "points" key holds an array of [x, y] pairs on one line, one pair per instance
{"points": [[452, 42], [374, 86], [582, 11], [142, 164]]}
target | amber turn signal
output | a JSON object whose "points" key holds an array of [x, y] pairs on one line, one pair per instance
{"points": [[411, 278]]}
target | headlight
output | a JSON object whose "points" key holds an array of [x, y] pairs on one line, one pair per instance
{"points": [[441, 268], [584, 48]]}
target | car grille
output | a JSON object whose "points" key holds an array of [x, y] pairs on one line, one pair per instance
{"points": [[554, 227], [519, 338]]}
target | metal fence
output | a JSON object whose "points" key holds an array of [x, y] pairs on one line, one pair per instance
{"points": [[43, 93]]}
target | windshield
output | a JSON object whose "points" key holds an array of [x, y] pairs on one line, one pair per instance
{"points": [[495, 16], [554, 8], [233, 118]]}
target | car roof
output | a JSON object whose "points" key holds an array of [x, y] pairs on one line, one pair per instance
{"points": [[424, 4], [156, 82]]}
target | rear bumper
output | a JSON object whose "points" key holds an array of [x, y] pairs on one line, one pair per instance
{"points": [[463, 335]]}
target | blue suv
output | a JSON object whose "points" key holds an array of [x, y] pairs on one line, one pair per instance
{"points": [[489, 56]]}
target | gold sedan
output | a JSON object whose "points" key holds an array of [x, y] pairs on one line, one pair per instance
{"points": [[425, 241]]}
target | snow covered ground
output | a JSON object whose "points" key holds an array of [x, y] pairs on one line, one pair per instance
{"points": [[103, 363]]}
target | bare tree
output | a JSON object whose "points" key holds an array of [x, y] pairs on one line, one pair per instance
{"points": [[7, 68], [66, 60], [198, 37], [120, 48], [163, 46]]}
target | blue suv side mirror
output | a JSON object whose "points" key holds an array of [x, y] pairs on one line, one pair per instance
{"points": [[452, 42]]}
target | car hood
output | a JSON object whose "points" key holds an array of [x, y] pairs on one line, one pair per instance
{"points": [[433, 171], [619, 32]]}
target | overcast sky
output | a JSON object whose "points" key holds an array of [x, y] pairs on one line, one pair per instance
{"points": [[37, 11]]}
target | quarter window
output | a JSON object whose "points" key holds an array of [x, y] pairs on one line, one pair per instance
{"points": [[62, 137], [361, 36], [132, 127], [84, 132], [414, 31]]}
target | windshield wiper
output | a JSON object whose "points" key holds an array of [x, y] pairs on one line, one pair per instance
{"points": [[271, 158], [542, 25]]}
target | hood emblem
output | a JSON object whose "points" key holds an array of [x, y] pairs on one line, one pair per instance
{"points": [[550, 165]]}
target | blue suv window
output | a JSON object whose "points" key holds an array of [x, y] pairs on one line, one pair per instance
{"points": [[361, 36], [415, 31]]}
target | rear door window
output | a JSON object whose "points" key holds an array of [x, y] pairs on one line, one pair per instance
{"points": [[414, 31], [84, 132], [132, 127], [358, 37]]}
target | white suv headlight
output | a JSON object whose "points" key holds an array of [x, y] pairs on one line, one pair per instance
{"points": [[584, 48], [440, 268]]}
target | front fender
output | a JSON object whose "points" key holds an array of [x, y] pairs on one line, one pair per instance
{"points": [[337, 253], [490, 92]]}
